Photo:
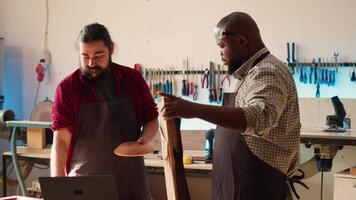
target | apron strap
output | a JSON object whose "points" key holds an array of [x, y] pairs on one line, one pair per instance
{"points": [[297, 179]]}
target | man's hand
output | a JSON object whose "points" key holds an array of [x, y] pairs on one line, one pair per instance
{"points": [[175, 107]]}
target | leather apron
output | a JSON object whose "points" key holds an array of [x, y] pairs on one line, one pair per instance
{"points": [[102, 127], [238, 174]]}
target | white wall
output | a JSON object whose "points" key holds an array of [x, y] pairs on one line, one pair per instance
{"points": [[163, 32]]}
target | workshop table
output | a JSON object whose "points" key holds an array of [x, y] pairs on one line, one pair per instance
{"points": [[153, 163]]}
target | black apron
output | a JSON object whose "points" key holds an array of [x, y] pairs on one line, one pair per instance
{"points": [[238, 174], [102, 127]]}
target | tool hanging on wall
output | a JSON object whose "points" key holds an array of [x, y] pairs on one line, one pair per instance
{"points": [[294, 61], [333, 74], [188, 84], [315, 71], [317, 93], [226, 78], [220, 92], [173, 84], [205, 79], [195, 92], [353, 75], [312, 69], [185, 83], [191, 84], [212, 89], [291, 56], [138, 68], [336, 55], [288, 56]]}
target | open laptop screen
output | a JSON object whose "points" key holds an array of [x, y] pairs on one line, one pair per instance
{"points": [[79, 188]]}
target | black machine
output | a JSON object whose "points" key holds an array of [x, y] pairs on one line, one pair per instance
{"points": [[335, 122], [209, 145]]}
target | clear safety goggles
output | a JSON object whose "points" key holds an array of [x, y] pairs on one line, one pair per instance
{"points": [[220, 33]]}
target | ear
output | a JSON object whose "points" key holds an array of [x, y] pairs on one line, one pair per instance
{"points": [[243, 41], [112, 49]]}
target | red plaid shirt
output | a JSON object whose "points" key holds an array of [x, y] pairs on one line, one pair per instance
{"points": [[68, 97]]}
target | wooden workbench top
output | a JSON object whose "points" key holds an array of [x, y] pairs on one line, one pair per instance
{"points": [[151, 160]]}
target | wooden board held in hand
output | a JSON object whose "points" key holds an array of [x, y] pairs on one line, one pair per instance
{"points": [[172, 154]]}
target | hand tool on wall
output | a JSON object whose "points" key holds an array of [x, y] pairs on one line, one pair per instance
{"points": [[325, 71], [205, 80], [334, 74], [294, 61], [166, 81], [322, 71], [301, 75], [147, 79], [191, 86], [212, 88], [220, 92], [317, 93], [161, 80], [154, 83], [288, 55], [195, 92], [226, 78], [316, 74], [173, 83], [211, 95], [331, 73], [184, 81], [353, 75], [188, 84], [336, 54], [305, 77], [312, 68], [296, 69]]}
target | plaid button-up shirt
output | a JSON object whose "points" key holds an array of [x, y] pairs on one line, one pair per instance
{"points": [[268, 96]]}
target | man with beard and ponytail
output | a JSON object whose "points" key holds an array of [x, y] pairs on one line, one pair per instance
{"points": [[98, 107], [256, 147]]}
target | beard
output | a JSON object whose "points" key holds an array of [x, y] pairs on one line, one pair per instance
{"points": [[91, 72], [233, 66]]}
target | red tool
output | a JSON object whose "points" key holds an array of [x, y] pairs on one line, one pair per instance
{"points": [[40, 72], [138, 68], [226, 78]]}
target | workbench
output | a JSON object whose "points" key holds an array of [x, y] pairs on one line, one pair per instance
{"points": [[153, 163], [317, 136]]}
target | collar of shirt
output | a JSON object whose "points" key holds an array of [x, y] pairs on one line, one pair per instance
{"points": [[241, 72]]}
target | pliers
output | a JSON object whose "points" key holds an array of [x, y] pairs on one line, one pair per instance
{"points": [[205, 79], [226, 78]]}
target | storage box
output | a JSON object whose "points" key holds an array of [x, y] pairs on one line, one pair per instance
{"points": [[345, 184]]}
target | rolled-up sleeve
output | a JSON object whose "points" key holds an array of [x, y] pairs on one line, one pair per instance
{"points": [[63, 114], [149, 106], [266, 99]]}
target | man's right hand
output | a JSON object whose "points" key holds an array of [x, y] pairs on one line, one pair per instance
{"points": [[60, 146], [175, 107]]}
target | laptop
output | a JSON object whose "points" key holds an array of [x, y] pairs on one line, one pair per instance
{"points": [[79, 188]]}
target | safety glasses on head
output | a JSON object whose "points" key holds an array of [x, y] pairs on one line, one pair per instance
{"points": [[220, 33]]}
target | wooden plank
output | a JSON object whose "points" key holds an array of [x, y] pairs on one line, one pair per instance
{"points": [[353, 170], [36, 138], [172, 155]]}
